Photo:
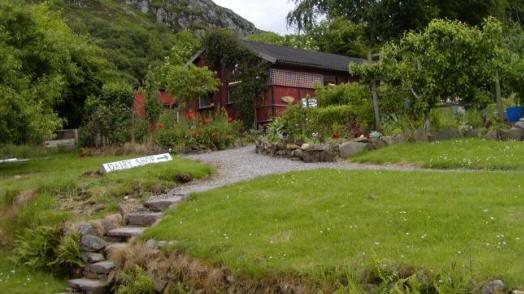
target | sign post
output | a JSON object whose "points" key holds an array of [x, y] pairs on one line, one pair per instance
{"points": [[136, 162]]}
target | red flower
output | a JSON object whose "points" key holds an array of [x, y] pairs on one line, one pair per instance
{"points": [[195, 134], [215, 135], [161, 126], [230, 119], [336, 136], [207, 120], [190, 114], [195, 116]]}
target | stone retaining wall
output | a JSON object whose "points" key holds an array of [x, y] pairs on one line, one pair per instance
{"points": [[330, 152]]}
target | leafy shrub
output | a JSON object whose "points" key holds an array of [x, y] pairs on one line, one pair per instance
{"points": [[325, 122], [215, 131], [109, 116], [68, 255], [394, 124], [35, 247], [343, 94], [445, 119], [136, 281], [45, 248], [474, 118]]}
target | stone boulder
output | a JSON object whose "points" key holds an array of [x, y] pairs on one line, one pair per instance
{"points": [[90, 229], [475, 133], [493, 287], [421, 135], [92, 243], [492, 135], [445, 135], [514, 134], [112, 221], [520, 124], [350, 148]]}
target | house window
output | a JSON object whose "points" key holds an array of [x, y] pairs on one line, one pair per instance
{"points": [[330, 80], [309, 102], [206, 101], [231, 91]]}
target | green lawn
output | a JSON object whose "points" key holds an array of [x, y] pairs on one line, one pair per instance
{"points": [[57, 179], [466, 153], [310, 222], [19, 280]]}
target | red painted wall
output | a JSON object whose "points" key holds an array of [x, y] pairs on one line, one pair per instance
{"points": [[268, 106], [140, 101]]}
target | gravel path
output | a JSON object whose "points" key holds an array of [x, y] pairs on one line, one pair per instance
{"points": [[237, 165]]}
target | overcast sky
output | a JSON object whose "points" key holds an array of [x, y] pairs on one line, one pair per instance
{"points": [[268, 15]]}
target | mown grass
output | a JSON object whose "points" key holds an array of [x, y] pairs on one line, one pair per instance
{"points": [[22, 280], [465, 153], [57, 179], [315, 222]]}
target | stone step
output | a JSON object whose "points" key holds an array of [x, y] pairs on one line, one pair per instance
{"points": [[103, 267], [92, 257], [143, 219], [89, 286], [126, 232], [112, 247], [99, 270], [163, 203]]}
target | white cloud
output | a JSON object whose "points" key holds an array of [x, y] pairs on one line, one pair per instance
{"points": [[268, 15]]}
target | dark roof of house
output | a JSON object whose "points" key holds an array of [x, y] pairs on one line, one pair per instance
{"points": [[292, 56]]}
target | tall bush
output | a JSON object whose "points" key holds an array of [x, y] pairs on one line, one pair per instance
{"points": [[110, 116]]}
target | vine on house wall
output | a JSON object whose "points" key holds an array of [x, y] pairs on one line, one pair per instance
{"points": [[227, 55]]}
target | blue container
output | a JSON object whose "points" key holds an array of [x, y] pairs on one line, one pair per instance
{"points": [[514, 114]]}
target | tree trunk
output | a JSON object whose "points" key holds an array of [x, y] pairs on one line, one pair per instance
{"points": [[500, 105], [376, 106], [133, 127], [427, 124]]}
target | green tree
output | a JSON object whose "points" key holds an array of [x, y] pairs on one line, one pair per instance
{"points": [[448, 62], [181, 78], [109, 116], [35, 62], [341, 36], [390, 19], [299, 41]]}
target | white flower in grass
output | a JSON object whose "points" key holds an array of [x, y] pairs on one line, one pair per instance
{"points": [[486, 210], [488, 244], [517, 238], [459, 252], [377, 243], [407, 234], [423, 236]]}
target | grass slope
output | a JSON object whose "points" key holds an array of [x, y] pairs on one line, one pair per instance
{"points": [[466, 153], [59, 187], [309, 222]]}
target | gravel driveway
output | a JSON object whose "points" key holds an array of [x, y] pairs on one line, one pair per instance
{"points": [[236, 165]]}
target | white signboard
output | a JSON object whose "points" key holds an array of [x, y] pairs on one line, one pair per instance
{"points": [[136, 162]]}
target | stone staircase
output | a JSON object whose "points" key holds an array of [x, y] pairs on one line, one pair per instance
{"points": [[99, 272]]}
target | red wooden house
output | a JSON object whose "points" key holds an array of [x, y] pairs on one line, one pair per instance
{"points": [[293, 73]]}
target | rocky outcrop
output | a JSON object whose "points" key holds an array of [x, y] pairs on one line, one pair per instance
{"points": [[193, 14]]}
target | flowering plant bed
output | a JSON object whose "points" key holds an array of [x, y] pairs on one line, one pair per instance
{"points": [[197, 132]]}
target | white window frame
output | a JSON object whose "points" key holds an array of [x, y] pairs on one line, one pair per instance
{"points": [[229, 86]]}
